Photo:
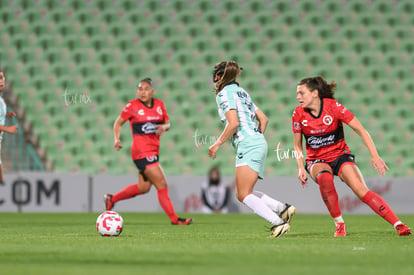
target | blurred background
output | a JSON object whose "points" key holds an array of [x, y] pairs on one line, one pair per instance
{"points": [[71, 66]]}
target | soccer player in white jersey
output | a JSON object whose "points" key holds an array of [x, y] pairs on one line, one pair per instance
{"points": [[239, 114], [3, 114]]}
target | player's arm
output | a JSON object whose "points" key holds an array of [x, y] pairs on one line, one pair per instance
{"points": [[377, 162], [263, 120], [10, 114], [297, 143], [117, 132], [229, 130], [162, 128], [9, 129]]}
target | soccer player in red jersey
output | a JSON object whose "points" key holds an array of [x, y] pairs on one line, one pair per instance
{"points": [[148, 119], [319, 119]]}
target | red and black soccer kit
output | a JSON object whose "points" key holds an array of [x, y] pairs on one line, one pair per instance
{"points": [[324, 134], [144, 121]]}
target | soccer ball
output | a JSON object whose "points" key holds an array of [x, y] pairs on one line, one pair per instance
{"points": [[109, 223]]}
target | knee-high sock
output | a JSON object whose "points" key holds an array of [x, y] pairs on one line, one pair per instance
{"points": [[328, 193], [166, 204], [261, 209], [126, 193], [273, 204], [380, 207]]}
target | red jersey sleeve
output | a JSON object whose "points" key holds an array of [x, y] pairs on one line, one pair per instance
{"points": [[296, 120], [164, 111], [126, 113], [343, 113]]}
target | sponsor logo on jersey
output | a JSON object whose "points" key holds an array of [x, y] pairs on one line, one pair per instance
{"points": [[153, 117], [317, 131], [159, 110], [224, 105], [151, 158], [327, 120], [240, 155], [141, 112], [305, 122], [296, 125], [149, 128], [317, 142]]}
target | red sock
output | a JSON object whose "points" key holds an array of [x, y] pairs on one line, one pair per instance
{"points": [[126, 193], [328, 193], [380, 207], [166, 204]]}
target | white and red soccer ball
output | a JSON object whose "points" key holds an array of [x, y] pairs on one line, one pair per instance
{"points": [[109, 223]]}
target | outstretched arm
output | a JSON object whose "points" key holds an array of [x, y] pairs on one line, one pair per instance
{"points": [[377, 162], [117, 131], [229, 130], [297, 143]]}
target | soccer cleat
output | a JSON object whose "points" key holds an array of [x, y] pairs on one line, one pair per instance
{"points": [[277, 231], [108, 202], [340, 230], [183, 221], [287, 214], [403, 230]]}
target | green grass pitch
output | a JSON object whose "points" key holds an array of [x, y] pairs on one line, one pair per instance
{"points": [[214, 244]]}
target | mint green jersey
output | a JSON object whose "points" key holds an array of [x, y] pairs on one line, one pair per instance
{"points": [[235, 97], [3, 111]]}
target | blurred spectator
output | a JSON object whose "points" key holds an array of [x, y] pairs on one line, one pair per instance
{"points": [[3, 115], [214, 194]]}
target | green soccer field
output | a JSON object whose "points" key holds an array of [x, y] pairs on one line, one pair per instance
{"points": [[214, 244]]}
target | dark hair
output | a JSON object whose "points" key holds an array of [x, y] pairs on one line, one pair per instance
{"points": [[228, 70], [325, 90], [146, 80]]}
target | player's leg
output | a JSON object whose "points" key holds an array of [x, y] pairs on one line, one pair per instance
{"points": [[322, 174], [142, 187], [352, 176], [245, 181], [283, 210], [1, 172], [155, 175]]}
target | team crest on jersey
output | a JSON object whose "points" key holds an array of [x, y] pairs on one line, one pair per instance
{"points": [[151, 158], [141, 112], [327, 120], [296, 125], [159, 110]]}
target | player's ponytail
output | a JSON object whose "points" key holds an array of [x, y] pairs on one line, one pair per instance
{"points": [[228, 72], [325, 90]]}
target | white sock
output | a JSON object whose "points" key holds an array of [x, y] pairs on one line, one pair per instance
{"points": [[338, 220], [273, 204], [397, 223], [261, 209]]}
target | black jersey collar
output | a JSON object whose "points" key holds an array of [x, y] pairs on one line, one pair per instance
{"points": [[151, 105], [320, 111]]}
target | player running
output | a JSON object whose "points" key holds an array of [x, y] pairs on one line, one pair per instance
{"points": [[239, 114], [148, 119], [319, 119]]}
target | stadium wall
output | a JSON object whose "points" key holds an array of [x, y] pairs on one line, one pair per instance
{"points": [[51, 192]]}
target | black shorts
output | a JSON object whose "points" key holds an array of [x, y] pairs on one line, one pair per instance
{"points": [[143, 163], [336, 165]]}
